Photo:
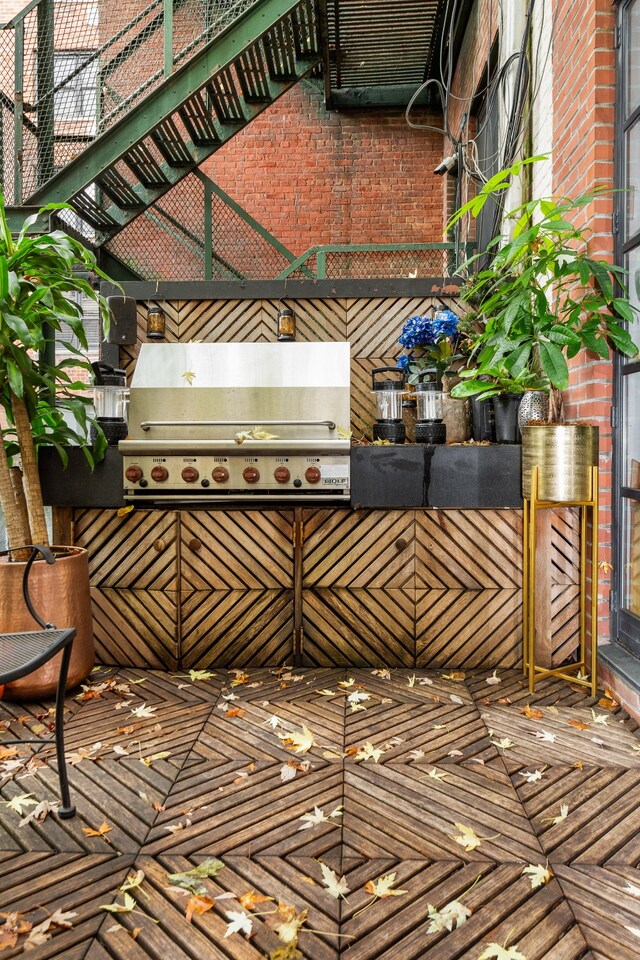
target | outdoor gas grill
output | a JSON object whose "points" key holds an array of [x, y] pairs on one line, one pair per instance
{"points": [[198, 414]]}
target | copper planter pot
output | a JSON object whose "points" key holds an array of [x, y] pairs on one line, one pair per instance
{"points": [[565, 454], [60, 593]]}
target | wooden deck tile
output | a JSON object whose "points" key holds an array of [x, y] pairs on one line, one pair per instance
{"points": [[77, 884], [459, 754], [250, 812], [605, 906], [431, 733], [562, 735], [239, 729], [400, 812], [601, 824]]}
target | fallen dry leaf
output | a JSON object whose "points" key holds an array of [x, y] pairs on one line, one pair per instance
{"points": [[286, 922], [383, 887], [538, 875], [578, 724], [368, 752], [197, 904], [102, 830], [564, 812], [336, 886], [468, 838], [251, 899], [298, 741], [495, 951], [453, 914], [312, 819], [493, 679], [235, 712], [532, 713]]}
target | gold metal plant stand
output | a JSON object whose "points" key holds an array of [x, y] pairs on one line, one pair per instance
{"points": [[574, 672]]}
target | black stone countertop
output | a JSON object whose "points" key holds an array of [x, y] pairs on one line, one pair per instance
{"points": [[462, 476]]}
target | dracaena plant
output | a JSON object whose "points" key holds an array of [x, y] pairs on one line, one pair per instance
{"points": [[42, 401], [542, 298]]}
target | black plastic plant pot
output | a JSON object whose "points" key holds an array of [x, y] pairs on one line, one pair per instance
{"points": [[484, 427], [505, 410]]}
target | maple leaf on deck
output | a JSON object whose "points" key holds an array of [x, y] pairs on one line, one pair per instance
{"points": [[298, 741], [545, 736], [192, 879], [200, 675], [435, 774], [128, 905], [368, 752], [312, 819], [20, 802], [143, 711], [103, 829], [251, 899], [239, 922], [532, 776], [383, 887], [564, 812], [578, 724], [336, 886], [198, 904], [496, 951], [532, 713], [504, 744], [235, 712], [453, 914], [132, 882], [493, 679], [468, 838], [538, 875], [40, 812], [286, 922]]}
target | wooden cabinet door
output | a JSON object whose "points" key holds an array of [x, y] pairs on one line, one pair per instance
{"points": [[358, 587], [236, 588], [134, 584]]}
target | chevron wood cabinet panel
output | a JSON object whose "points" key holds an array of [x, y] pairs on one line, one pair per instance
{"points": [[137, 551], [137, 628], [236, 628]]}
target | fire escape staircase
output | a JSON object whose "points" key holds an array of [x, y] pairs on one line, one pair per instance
{"points": [[189, 116]]}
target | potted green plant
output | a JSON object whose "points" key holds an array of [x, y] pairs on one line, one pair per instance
{"points": [[43, 402], [541, 299]]}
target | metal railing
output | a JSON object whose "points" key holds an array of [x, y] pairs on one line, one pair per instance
{"points": [[367, 261], [69, 70]]}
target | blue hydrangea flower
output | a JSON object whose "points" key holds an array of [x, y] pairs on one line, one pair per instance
{"points": [[426, 331], [445, 323], [403, 361]]}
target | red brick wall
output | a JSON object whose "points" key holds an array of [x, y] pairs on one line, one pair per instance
{"points": [[583, 156], [314, 177]]}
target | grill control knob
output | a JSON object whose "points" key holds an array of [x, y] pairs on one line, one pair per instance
{"points": [[312, 474], [282, 475], [159, 474], [297, 482], [190, 474], [133, 474], [251, 474], [220, 474]]}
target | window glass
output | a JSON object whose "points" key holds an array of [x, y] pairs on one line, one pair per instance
{"points": [[631, 557], [632, 283], [76, 98], [632, 99], [631, 431], [632, 193]]}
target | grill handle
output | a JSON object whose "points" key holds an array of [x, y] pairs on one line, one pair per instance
{"points": [[148, 424]]}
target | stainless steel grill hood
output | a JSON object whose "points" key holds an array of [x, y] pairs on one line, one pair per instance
{"points": [[189, 402]]}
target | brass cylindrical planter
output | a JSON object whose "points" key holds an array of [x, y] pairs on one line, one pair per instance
{"points": [[60, 593], [565, 454]]}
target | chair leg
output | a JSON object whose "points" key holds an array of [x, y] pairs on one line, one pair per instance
{"points": [[67, 809]]}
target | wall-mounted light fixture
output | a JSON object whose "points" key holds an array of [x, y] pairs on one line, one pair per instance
{"points": [[155, 323], [286, 324]]}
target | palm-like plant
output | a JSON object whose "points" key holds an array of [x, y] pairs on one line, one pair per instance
{"points": [[42, 403]]}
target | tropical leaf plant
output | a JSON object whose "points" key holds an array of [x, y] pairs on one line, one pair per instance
{"points": [[543, 298], [43, 401]]}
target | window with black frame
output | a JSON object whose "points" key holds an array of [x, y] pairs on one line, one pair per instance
{"points": [[626, 592]]}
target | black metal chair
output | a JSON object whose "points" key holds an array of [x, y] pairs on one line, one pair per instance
{"points": [[22, 653]]}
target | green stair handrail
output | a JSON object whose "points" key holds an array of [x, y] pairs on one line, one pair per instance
{"points": [[321, 251]]}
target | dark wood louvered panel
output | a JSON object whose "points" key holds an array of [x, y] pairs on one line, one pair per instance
{"points": [[136, 627], [374, 325], [359, 549], [134, 551], [222, 320], [324, 320], [468, 549], [468, 628], [357, 627], [236, 628], [236, 550]]}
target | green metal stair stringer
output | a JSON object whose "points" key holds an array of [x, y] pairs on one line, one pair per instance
{"points": [[190, 116]]}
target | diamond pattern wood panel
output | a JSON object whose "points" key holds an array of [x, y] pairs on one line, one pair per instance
{"points": [[236, 628], [222, 321], [374, 324], [137, 551], [236, 550], [136, 627]]}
